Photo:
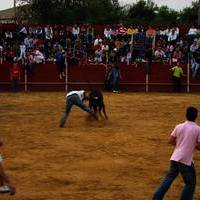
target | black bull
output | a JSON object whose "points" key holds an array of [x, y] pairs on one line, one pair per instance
{"points": [[96, 102]]}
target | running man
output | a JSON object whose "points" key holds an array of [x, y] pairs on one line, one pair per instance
{"points": [[186, 138]]}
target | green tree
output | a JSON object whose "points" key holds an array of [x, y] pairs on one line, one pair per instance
{"points": [[60, 11], [189, 15], [142, 12], [166, 16]]}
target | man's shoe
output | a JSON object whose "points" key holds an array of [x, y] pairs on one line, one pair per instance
{"points": [[61, 126], [4, 189]]}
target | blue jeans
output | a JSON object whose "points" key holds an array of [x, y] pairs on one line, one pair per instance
{"points": [[73, 100], [189, 178], [116, 83], [195, 68]]}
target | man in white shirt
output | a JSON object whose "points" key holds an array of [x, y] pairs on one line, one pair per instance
{"points": [[192, 32], [75, 98]]}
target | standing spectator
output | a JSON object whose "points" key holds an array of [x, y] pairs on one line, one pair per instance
{"points": [[176, 77], [186, 138], [15, 75], [29, 63], [108, 78], [7, 185], [149, 58], [60, 62], [116, 78], [195, 63]]}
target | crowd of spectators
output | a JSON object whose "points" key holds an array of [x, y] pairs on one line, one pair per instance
{"points": [[84, 44]]}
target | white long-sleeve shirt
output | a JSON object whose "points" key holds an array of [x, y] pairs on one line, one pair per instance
{"points": [[80, 93]]}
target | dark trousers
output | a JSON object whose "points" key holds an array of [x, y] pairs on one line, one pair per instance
{"points": [[116, 83], [15, 85], [189, 178], [176, 84], [73, 100]]}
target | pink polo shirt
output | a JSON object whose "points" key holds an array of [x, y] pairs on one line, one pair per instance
{"points": [[187, 135]]}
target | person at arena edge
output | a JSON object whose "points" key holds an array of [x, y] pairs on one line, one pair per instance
{"points": [[186, 138], [15, 75], [75, 98], [176, 76], [116, 74], [6, 184]]}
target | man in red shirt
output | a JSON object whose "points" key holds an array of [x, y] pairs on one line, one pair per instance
{"points": [[15, 76]]}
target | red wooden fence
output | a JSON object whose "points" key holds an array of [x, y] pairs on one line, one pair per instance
{"points": [[45, 78]]}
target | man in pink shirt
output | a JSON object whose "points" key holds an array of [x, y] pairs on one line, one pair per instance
{"points": [[186, 138]]}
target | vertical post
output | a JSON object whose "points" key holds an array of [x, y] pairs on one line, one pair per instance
{"points": [[147, 83], [25, 80], [199, 13], [15, 12], [1, 55], [66, 72], [188, 74]]}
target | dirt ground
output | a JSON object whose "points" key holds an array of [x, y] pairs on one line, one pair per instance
{"points": [[123, 158]]}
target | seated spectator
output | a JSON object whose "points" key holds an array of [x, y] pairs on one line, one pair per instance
{"points": [[75, 31], [1, 54], [117, 44], [22, 52], [98, 41], [194, 46], [105, 49], [48, 33], [83, 33], [121, 31], [159, 54], [173, 36], [192, 33], [177, 55], [90, 34], [150, 32], [164, 33], [98, 55], [130, 31], [28, 41], [38, 57], [107, 32]]}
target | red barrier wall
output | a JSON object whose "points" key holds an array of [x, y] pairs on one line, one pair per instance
{"points": [[45, 78]]}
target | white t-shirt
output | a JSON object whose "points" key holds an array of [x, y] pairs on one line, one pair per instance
{"points": [[192, 31], [79, 93]]}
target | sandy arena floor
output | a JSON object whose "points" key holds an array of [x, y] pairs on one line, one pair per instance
{"points": [[124, 158]]}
